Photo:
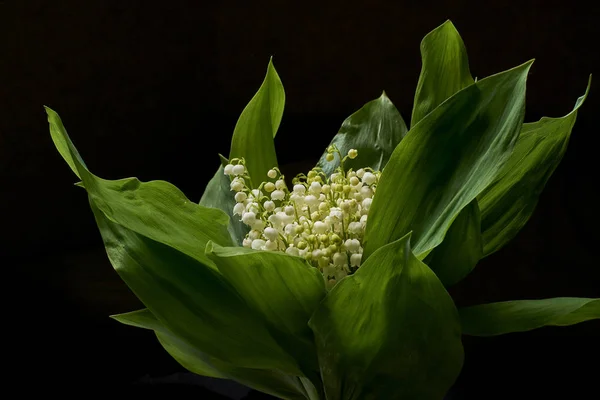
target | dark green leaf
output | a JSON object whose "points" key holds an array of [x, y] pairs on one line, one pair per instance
{"points": [[155, 239], [294, 291], [191, 300], [295, 288], [184, 353], [271, 382], [524, 315], [390, 331], [461, 249], [257, 125], [508, 202], [444, 72], [218, 194], [375, 130], [156, 209], [445, 161]]}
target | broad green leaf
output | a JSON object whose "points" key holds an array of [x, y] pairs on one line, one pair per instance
{"points": [[375, 130], [184, 353], [390, 331], [284, 290], [524, 315], [444, 71], [295, 288], [508, 202], [445, 161], [461, 249], [272, 382], [156, 209], [190, 299], [257, 125], [218, 194]]}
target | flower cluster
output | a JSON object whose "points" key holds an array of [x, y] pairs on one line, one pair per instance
{"points": [[322, 219]]}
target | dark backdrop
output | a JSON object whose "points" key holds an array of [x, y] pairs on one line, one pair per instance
{"points": [[153, 89]]}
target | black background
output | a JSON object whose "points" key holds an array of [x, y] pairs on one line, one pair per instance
{"points": [[153, 89]]}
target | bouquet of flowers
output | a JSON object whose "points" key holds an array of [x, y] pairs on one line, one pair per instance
{"points": [[332, 285]]}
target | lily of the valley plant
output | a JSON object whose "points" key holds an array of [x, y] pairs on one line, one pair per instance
{"points": [[332, 285]]}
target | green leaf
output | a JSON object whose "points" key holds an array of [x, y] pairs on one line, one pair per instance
{"points": [[294, 289], [375, 130], [445, 161], [508, 202], [255, 129], [156, 209], [390, 331], [271, 382], [184, 353], [190, 299], [444, 72], [461, 249], [218, 194], [524, 315]]}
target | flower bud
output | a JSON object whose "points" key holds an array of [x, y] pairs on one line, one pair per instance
{"points": [[366, 203], [278, 195], [292, 251], [369, 178], [238, 170], [290, 229], [228, 170], [315, 188], [352, 245], [258, 244], [355, 260], [240, 197], [269, 205], [319, 227], [269, 187], [236, 185], [271, 233], [280, 184], [299, 189], [249, 218], [340, 259], [352, 153], [355, 227], [272, 174], [271, 245]]}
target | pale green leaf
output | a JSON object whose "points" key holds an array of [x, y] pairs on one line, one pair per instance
{"points": [[257, 125], [524, 315]]}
